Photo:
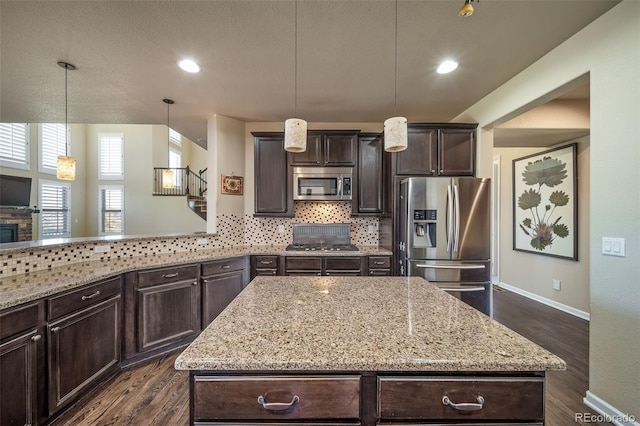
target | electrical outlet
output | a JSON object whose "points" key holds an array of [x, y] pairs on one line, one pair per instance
{"points": [[104, 248], [556, 285], [202, 241], [280, 229], [372, 229]]}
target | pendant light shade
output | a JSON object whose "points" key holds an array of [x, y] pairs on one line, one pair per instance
{"points": [[168, 175], [395, 128], [395, 134], [295, 135], [466, 9], [66, 166]]}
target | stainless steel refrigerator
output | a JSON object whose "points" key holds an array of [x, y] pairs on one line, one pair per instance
{"points": [[445, 235]]}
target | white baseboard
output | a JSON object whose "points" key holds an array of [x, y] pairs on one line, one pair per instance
{"points": [[608, 412], [560, 306]]}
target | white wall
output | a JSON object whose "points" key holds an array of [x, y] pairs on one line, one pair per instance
{"points": [[609, 51]]}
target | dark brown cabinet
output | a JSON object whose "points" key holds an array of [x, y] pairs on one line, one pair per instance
{"points": [[222, 281], [379, 266], [328, 148], [21, 348], [446, 149], [273, 193], [324, 265], [262, 265], [164, 309], [298, 265], [371, 176], [83, 340]]}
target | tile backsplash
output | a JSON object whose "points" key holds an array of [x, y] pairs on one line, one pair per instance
{"points": [[232, 230]]}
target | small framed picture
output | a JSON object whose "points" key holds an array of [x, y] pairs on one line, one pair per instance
{"points": [[231, 185]]}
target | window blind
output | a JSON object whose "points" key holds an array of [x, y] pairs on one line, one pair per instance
{"points": [[53, 143], [14, 144], [55, 212], [111, 156], [111, 210], [175, 137]]}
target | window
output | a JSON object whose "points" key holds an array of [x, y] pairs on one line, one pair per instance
{"points": [[111, 156], [14, 145], [55, 209], [111, 209], [175, 162], [53, 143], [175, 137]]}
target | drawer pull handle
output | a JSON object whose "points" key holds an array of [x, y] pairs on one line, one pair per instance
{"points": [[170, 275], [378, 262], [265, 262], [465, 406], [226, 266], [91, 296], [278, 406]]}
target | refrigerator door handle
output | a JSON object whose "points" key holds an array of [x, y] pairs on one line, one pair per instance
{"points": [[460, 267], [449, 219], [456, 201]]}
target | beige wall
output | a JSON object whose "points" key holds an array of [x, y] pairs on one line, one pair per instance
{"points": [[229, 142], [535, 273], [609, 51]]}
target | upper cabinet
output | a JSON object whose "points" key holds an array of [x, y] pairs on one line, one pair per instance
{"points": [[371, 176], [446, 149], [273, 194], [328, 148]]}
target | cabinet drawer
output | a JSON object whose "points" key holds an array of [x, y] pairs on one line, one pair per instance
{"points": [[504, 398], [237, 398], [266, 262], [167, 275], [225, 265], [310, 264], [342, 263], [379, 262], [18, 320], [86, 296]]}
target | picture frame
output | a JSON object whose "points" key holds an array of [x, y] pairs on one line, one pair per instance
{"points": [[231, 185], [545, 203]]}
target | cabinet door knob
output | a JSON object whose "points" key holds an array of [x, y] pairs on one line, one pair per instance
{"points": [[195, 283], [36, 337], [278, 406], [55, 329]]}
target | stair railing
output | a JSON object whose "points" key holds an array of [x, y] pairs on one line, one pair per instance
{"points": [[185, 182]]}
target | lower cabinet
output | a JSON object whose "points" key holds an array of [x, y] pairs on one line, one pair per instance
{"points": [[21, 347], [368, 398], [379, 266], [83, 345], [167, 307], [222, 281], [325, 265], [262, 265]]}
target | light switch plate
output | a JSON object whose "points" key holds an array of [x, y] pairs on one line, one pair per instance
{"points": [[613, 246], [103, 248]]}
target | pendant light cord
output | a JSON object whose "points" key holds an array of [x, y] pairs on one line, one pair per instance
{"points": [[66, 114], [395, 66], [295, 66]]}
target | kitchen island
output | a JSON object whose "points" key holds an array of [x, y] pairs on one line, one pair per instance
{"points": [[361, 350]]}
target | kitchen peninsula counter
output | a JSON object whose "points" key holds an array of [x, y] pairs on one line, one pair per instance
{"points": [[366, 328]]}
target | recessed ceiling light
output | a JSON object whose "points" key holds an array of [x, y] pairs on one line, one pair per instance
{"points": [[447, 66], [189, 65]]}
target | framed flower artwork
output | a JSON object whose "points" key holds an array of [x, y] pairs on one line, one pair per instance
{"points": [[545, 216], [231, 185]]}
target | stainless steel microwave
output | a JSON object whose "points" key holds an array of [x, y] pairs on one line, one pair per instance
{"points": [[322, 183]]}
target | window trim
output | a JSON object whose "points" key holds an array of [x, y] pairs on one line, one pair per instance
{"points": [[101, 209], [57, 183], [13, 164], [110, 177]]}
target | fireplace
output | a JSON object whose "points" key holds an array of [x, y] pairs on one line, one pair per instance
{"points": [[8, 232]]}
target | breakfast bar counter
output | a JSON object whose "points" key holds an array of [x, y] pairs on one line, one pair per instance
{"points": [[361, 349]]}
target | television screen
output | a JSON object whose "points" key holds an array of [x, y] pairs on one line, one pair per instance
{"points": [[15, 191]]}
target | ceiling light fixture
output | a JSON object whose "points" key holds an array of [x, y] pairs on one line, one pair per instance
{"points": [[395, 128], [168, 174], [189, 65], [466, 9], [295, 129], [66, 165], [447, 66]]}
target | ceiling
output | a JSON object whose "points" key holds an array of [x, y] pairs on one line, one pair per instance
{"points": [[348, 68]]}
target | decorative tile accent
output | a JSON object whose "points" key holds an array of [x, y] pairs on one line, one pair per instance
{"points": [[232, 230]]}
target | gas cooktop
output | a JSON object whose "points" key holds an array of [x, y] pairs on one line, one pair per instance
{"points": [[321, 247]]}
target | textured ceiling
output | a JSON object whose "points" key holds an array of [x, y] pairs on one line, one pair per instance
{"points": [[126, 54]]}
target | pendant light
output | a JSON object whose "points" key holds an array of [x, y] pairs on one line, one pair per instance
{"points": [[466, 9], [395, 128], [168, 175], [66, 165], [295, 129]]}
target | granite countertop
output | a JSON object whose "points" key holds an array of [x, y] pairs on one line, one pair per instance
{"points": [[358, 324], [18, 289]]}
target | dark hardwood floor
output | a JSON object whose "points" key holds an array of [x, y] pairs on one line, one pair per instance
{"points": [[156, 394]]}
